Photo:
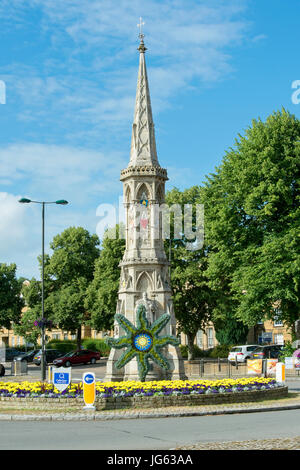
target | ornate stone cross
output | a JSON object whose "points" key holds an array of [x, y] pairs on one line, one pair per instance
{"points": [[140, 25]]}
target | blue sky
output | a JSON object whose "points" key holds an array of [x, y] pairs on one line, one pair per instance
{"points": [[70, 70]]}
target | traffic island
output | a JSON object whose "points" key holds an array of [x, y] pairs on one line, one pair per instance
{"points": [[141, 395]]}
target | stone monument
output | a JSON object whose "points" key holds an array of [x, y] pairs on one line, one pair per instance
{"points": [[144, 276]]}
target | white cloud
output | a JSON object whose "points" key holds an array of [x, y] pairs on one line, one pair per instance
{"points": [[21, 230], [82, 93], [188, 45], [57, 172], [84, 177], [17, 232], [11, 220]]}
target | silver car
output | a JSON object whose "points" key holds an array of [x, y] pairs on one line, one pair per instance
{"points": [[241, 353]]}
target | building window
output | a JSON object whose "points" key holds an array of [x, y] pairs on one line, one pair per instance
{"points": [[266, 337], [210, 337], [277, 317], [55, 336], [13, 341], [199, 339]]}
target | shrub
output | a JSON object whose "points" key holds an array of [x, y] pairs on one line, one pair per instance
{"points": [[87, 343], [197, 351], [96, 345], [287, 351], [63, 345], [220, 351]]}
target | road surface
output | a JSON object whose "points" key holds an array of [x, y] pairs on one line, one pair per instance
{"points": [[147, 434]]}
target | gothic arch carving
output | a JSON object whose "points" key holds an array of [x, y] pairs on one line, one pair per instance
{"points": [[144, 282], [160, 194], [127, 192], [143, 188]]}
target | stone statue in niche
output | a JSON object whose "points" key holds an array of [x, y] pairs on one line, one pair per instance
{"points": [[129, 282], [159, 281], [122, 280], [150, 305]]}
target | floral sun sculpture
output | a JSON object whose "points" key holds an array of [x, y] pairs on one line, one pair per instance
{"points": [[142, 341]]}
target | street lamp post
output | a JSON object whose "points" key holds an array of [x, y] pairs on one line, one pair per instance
{"points": [[43, 203]]}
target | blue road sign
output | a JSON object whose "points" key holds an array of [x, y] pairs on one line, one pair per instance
{"points": [[61, 377], [89, 378]]}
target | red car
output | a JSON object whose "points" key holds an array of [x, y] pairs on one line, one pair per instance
{"points": [[77, 357]]}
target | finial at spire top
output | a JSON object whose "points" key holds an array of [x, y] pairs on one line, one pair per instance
{"points": [[140, 25]]}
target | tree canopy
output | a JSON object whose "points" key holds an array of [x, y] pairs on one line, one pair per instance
{"points": [[11, 302], [68, 273], [102, 294], [252, 217], [70, 270], [192, 296]]}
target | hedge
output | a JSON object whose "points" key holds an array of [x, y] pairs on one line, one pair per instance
{"points": [[87, 343]]}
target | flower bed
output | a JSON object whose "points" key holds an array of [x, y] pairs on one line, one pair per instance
{"points": [[164, 388]]}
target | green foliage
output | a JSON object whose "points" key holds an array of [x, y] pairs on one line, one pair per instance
{"points": [[26, 327], [252, 215], [74, 253], [67, 305], [197, 352], [287, 351], [221, 351], [10, 301], [62, 345], [150, 345], [87, 343], [32, 294], [231, 331], [69, 271], [102, 294], [97, 345], [192, 296]]}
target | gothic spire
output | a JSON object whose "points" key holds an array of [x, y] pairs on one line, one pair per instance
{"points": [[143, 146]]}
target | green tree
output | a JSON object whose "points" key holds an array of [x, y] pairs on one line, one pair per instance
{"points": [[193, 298], [102, 294], [230, 331], [11, 302], [68, 273], [26, 327], [252, 222], [32, 295]]}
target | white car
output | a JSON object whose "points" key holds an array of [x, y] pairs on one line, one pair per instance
{"points": [[241, 353]]}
